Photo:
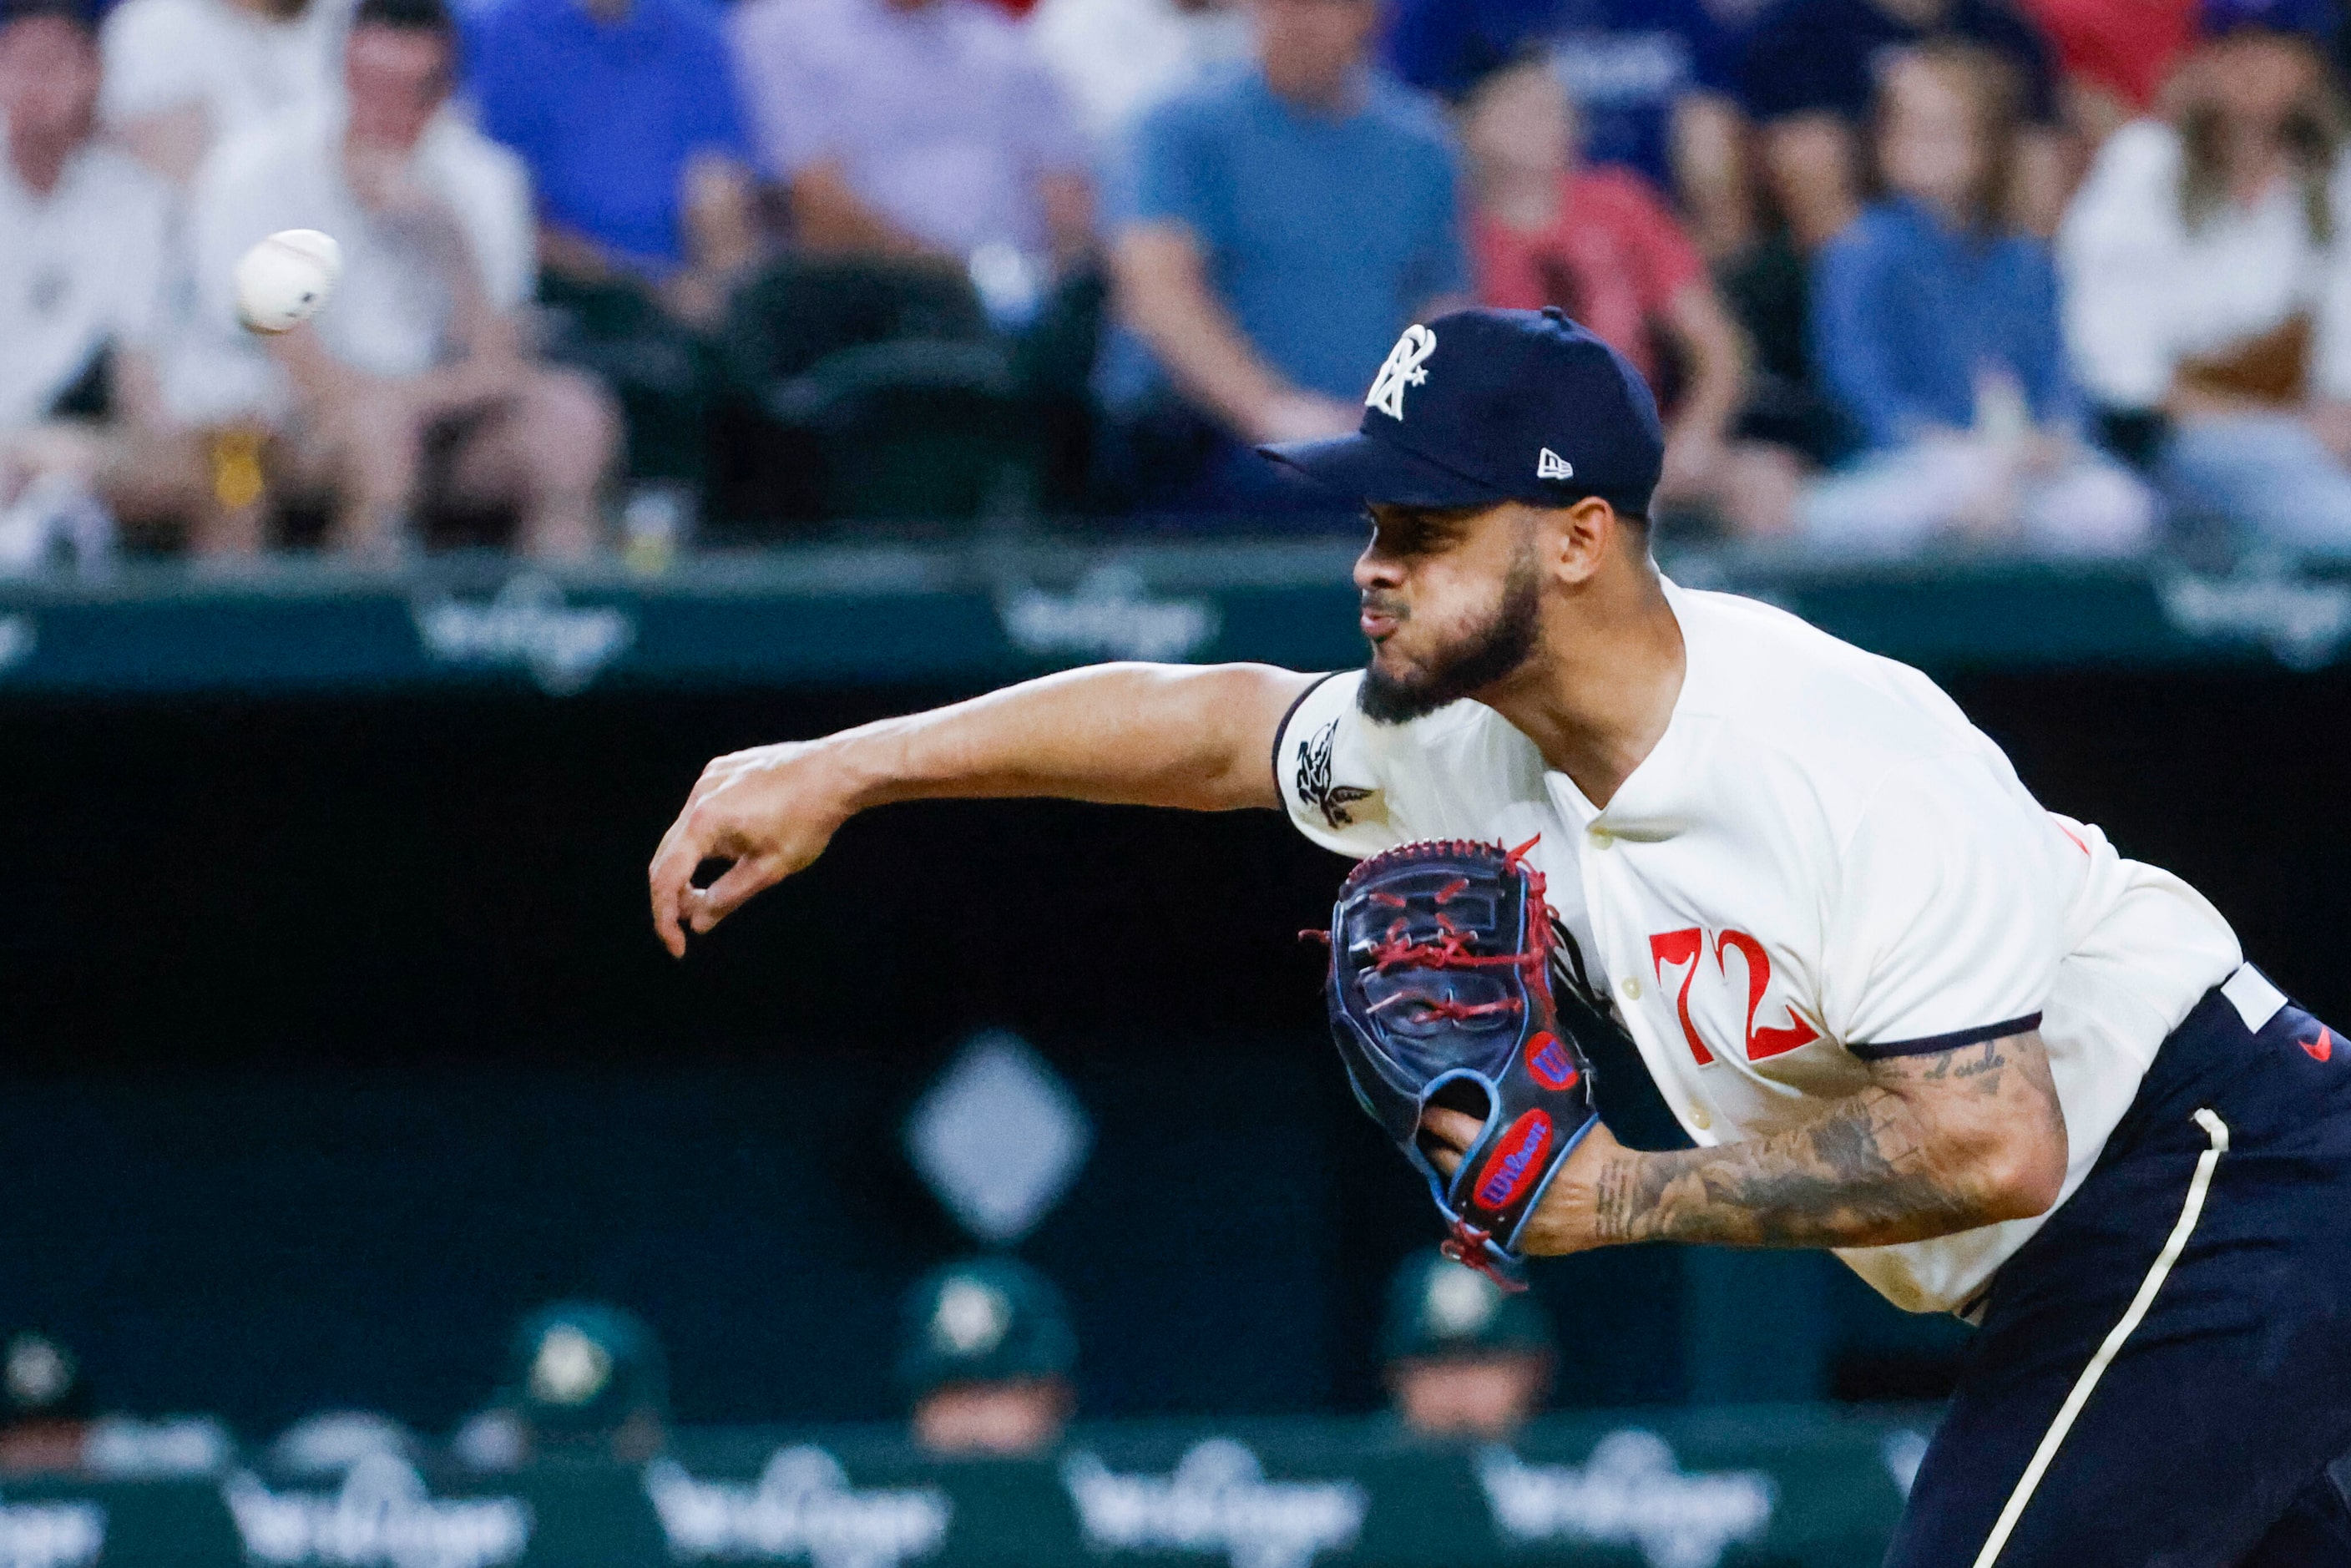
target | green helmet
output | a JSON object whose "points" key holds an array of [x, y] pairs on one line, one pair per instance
{"points": [[1437, 1308], [579, 1367], [989, 1320]]}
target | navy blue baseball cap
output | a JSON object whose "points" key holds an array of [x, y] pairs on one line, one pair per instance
{"points": [[1486, 405]]}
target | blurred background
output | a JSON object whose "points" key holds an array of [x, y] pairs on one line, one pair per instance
{"points": [[702, 376]]}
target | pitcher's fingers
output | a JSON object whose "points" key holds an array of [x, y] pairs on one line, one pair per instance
{"points": [[1456, 1128], [665, 921], [668, 881], [1447, 1135], [752, 875]]}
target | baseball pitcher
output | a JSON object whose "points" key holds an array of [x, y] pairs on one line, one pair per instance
{"points": [[1625, 842]]}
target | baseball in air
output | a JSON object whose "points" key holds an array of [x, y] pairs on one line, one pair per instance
{"points": [[283, 281]]}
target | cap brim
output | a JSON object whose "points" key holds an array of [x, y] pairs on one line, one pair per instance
{"points": [[1370, 469]]}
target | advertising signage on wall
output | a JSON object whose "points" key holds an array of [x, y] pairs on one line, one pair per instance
{"points": [[949, 618], [1689, 1489]]}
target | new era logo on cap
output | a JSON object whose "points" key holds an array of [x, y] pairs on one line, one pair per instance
{"points": [[1551, 466]]}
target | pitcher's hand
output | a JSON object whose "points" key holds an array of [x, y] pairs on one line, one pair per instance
{"points": [[1568, 1218], [768, 811]]}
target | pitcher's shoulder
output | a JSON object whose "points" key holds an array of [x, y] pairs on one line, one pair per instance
{"points": [[1781, 682]]}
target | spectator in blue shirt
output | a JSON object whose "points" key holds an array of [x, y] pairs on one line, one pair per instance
{"points": [[1810, 68], [1274, 230], [625, 112], [1655, 83], [1937, 324]]}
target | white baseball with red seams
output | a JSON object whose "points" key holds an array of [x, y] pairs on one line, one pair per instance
{"points": [[1821, 860]]}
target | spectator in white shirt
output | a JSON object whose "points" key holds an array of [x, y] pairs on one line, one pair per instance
{"points": [[1118, 58], [2206, 279], [183, 75], [414, 387], [82, 268]]}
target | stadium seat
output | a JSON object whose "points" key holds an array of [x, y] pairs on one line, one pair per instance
{"points": [[662, 374], [915, 430], [871, 391]]}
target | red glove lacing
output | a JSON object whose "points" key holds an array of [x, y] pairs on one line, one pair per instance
{"points": [[1466, 1246], [1451, 950]]}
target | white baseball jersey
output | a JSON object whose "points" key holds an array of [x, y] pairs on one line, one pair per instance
{"points": [[84, 266], [1822, 863]]}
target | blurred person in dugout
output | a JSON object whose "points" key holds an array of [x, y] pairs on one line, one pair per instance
{"points": [[84, 433], [1273, 229], [182, 75], [1936, 324], [584, 1381], [1465, 1360], [2209, 286], [988, 1356], [914, 129], [45, 1406], [1601, 244], [416, 388]]}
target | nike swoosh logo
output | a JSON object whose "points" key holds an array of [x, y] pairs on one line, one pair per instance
{"points": [[2323, 1047]]}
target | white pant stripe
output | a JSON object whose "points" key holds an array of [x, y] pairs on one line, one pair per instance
{"points": [[2218, 1132]]}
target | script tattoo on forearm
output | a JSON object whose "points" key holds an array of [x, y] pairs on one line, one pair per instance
{"points": [[1898, 1162]]}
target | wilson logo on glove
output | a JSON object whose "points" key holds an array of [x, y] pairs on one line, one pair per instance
{"points": [[1440, 986], [1548, 1064], [1505, 1175]]}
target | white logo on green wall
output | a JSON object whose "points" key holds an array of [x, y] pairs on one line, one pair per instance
{"points": [[382, 1516], [1216, 1502], [51, 1535], [1630, 1492], [801, 1510]]}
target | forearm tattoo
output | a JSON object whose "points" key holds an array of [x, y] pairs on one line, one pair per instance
{"points": [[1895, 1162]]}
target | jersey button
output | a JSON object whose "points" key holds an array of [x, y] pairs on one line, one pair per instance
{"points": [[1699, 1118], [1629, 988], [1602, 839]]}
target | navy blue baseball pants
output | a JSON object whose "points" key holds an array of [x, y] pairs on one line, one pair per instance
{"points": [[2162, 1378]]}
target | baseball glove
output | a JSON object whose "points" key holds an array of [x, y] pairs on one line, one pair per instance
{"points": [[1440, 990]]}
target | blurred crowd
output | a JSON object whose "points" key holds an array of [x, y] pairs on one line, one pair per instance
{"points": [[2064, 276], [988, 1363]]}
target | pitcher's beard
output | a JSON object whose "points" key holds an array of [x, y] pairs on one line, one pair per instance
{"points": [[1491, 653]]}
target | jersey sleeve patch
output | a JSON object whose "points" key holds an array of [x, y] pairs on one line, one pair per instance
{"points": [[1281, 730], [1928, 1045], [1326, 773]]}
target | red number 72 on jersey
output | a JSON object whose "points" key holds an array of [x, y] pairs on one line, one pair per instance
{"points": [[1688, 947]]}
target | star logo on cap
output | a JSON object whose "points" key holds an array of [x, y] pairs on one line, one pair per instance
{"points": [[971, 1318], [38, 1372], [1401, 370], [1460, 1303], [570, 1368]]}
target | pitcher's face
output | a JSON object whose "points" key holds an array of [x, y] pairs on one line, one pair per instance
{"points": [[1451, 605]]}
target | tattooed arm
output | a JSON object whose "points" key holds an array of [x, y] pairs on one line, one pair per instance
{"points": [[1935, 1144]]}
